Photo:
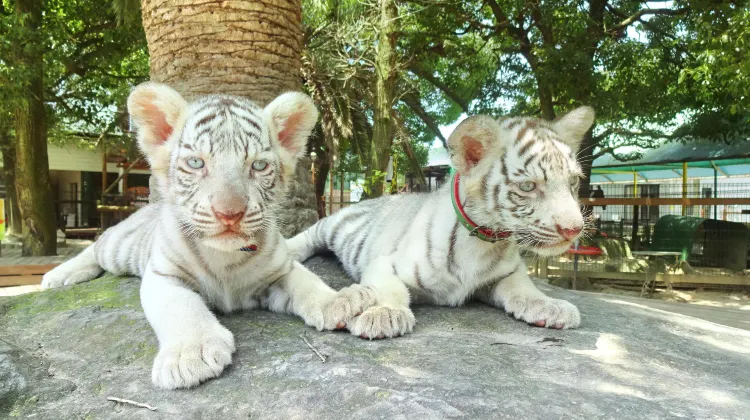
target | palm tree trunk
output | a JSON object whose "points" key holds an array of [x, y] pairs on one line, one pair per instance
{"points": [[246, 48]]}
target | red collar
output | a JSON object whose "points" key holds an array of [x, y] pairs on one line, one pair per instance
{"points": [[480, 232]]}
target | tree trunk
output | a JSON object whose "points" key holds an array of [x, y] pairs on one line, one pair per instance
{"points": [[385, 69], [246, 48], [8, 148], [321, 176], [32, 164]]}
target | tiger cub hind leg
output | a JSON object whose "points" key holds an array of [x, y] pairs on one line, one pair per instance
{"points": [[81, 268], [518, 296], [391, 317], [304, 294]]}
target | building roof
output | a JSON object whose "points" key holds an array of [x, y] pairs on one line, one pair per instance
{"points": [[666, 162]]}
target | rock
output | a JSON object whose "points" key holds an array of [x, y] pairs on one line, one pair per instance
{"points": [[582, 283], [63, 352]]}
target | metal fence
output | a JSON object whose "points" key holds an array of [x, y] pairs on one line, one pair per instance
{"points": [[694, 233]]}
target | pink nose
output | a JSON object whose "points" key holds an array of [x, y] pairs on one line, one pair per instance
{"points": [[568, 234], [229, 218]]}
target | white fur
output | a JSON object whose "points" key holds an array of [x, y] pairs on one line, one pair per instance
{"points": [[185, 268], [411, 247]]}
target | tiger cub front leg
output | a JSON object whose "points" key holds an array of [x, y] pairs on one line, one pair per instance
{"points": [[81, 268], [304, 294], [518, 296], [193, 345], [392, 316]]}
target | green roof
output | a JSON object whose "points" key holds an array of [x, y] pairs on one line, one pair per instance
{"points": [[666, 162]]}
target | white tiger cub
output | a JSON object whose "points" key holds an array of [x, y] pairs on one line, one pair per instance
{"points": [[515, 188], [220, 165]]}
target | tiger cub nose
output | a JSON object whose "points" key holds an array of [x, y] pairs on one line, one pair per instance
{"points": [[568, 234], [229, 218]]}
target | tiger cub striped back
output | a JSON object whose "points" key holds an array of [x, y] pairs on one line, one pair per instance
{"points": [[517, 184]]}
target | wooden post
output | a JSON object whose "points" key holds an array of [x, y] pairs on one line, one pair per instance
{"points": [[125, 182], [716, 191], [330, 189], [543, 267], [634, 230], [341, 192], [104, 171], [394, 180], [684, 185]]}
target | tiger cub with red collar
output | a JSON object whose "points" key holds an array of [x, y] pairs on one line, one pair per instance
{"points": [[515, 188]]}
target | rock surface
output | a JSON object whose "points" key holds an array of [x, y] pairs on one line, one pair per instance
{"points": [[63, 352]]}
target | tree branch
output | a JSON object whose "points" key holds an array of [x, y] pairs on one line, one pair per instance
{"points": [[401, 132], [636, 17], [450, 93], [413, 102]]}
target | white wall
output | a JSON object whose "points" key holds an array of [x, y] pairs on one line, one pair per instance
{"points": [[72, 158]]}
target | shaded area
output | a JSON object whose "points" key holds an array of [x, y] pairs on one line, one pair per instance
{"points": [[66, 351]]}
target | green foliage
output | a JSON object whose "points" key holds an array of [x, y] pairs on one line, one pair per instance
{"points": [[94, 52]]}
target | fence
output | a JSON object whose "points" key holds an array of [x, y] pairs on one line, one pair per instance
{"points": [[83, 217], [339, 195], [695, 233]]}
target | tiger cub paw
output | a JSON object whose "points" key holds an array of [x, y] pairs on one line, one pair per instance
{"points": [[188, 363], [544, 312], [63, 276], [348, 302], [383, 322]]}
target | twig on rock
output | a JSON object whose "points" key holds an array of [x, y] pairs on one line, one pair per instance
{"points": [[313, 348], [137, 404]]}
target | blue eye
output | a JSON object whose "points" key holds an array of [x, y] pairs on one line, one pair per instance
{"points": [[260, 165], [527, 186], [195, 163]]}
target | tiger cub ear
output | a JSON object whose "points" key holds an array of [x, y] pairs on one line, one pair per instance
{"points": [[574, 125], [158, 111], [292, 117], [471, 141]]}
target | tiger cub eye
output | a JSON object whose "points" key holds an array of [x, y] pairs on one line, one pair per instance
{"points": [[195, 163], [527, 186], [260, 165]]}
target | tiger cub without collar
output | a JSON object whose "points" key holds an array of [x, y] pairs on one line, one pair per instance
{"points": [[221, 164], [517, 179]]}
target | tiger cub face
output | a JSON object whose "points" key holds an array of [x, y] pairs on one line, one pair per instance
{"points": [[521, 175], [221, 162]]}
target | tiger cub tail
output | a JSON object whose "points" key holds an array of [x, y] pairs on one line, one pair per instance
{"points": [[310, 242]]}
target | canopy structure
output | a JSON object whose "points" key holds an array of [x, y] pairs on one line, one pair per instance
{"points": [[672, 160]]}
